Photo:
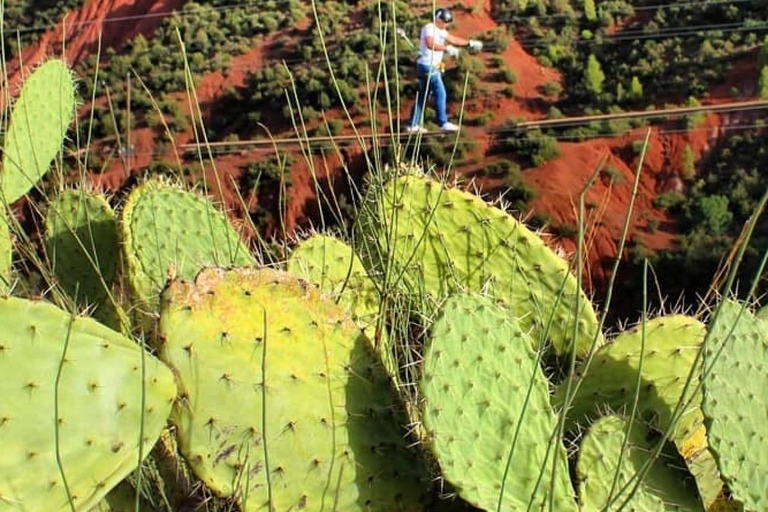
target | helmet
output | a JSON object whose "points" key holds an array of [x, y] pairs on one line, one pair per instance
{"points": [[444, 15]]}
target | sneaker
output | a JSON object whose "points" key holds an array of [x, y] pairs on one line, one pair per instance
{"points": [[449, 127], [416, 129]]}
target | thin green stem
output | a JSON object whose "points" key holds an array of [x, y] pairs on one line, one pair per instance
{"points": [[56, 417]]}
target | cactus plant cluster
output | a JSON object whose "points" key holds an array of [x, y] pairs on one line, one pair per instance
{"points": [[282, 389]]}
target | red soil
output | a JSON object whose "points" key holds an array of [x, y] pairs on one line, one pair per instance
{"points": [[117, 21], [558, 182]]}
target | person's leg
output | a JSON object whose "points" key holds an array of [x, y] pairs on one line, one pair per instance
{"points": [[421, 97], [441, 97]]}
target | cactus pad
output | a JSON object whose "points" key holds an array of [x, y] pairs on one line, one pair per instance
{"points": [[486, 410], [283, 397], [170, 232], [762, 313], [735, 410], [99, 397], [443, 240], [671, 345], [664, 488], [39, 120], [82, 245], [334, 267], [6, 253], [698, 458]]}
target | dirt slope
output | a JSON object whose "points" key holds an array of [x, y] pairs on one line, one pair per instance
{"points": [[116, 21], [558, 182]]}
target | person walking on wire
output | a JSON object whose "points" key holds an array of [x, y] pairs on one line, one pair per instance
{"points": [[434, 42]]}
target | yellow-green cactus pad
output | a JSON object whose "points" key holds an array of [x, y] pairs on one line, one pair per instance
{"points": [[735, 404], [284, 400], [671, 346], [444, 240], [333, 266], [698, 458], [664, 489], [39, 120], [167, 232], [75, 390], [486, 410]]}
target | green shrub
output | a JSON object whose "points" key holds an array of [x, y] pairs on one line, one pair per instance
{"points": [[506, 75], [668, 200], [551, 88]]}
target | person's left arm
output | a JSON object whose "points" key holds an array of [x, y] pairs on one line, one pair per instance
{"points": [[456, 41], [460, 41]]}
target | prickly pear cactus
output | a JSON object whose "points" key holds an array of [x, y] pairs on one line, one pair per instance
{"points": [[6, 252], [671, 345], [486, 410], [332, 265], [735, 408], [443, 240], [76, 392], [664, 488], [82, 247], [169, 232], [698, 458], [39, 120], [285, 406], [762, 313]]}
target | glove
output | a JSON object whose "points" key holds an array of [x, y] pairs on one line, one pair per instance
{"points": [[475, 45], [452, 51]]}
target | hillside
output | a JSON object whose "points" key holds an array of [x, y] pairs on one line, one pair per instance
{"points": [[530, 71]]}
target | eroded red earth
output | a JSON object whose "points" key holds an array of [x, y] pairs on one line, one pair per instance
{"points": [[558, 182]]}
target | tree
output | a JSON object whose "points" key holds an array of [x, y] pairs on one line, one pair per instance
{"points": [[594, 76], [696, 119], [762, 86], [620, 93], [762, 59], [713, 214], [589, 10], [635, 89], [689, 162]]}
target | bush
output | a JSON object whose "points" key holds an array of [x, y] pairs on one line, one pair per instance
{"points": [[548, 149], [506, 75], [551, 88], [266, 173], [668, 200], [689, 163], [712, 214]]}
